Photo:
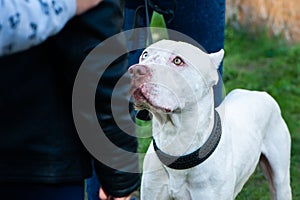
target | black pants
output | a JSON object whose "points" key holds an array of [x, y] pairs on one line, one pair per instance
{"points": [[26, 191]]}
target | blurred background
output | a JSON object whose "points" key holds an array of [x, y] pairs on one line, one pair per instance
{"points": [[279, 17]]}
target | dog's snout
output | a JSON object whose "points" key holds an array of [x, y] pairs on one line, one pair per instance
{"points": [[138, 70]]}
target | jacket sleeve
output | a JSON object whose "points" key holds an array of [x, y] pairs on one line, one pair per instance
{"points": [[79, 37], [27, 23]]}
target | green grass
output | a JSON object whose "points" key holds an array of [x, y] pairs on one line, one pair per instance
{"points": [[257, 62]]}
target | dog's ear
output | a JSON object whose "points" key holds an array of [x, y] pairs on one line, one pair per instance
{"points": [[217, 58]]}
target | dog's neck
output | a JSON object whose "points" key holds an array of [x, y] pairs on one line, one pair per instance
{"points": [[183, 132]]}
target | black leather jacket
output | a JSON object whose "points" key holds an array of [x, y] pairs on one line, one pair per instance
{"points": [[38, 139]]}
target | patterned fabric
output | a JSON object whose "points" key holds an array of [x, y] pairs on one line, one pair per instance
{"points": [[25, 23]]}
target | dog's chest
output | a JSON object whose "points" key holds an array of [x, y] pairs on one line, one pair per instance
{"points": [[182, 183], [178, 182]]}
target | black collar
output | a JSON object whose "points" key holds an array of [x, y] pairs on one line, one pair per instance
{"points": [[197, 157]]}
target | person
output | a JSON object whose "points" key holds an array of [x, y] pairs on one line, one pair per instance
{"points": [[41, 154], [27, 23], [203, 21]]}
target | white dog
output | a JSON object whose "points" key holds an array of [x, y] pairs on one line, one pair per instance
{"points": [[199, 151]]}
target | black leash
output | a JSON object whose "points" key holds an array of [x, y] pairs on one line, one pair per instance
{"points": [[149, 35]]}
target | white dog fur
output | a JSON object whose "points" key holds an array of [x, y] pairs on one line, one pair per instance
{"points": [[174, 81]]}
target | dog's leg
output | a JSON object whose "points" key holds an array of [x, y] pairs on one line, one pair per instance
{"points": [[280, 189], [155, 178], [275, 159]]}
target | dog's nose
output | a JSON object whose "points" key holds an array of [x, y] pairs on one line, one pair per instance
{"points": [[138, 70]]}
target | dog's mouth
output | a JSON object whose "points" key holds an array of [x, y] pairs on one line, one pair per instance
{"points": [[147, 96]]}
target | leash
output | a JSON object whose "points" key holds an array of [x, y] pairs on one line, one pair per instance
{"points": [[149, 35], [166, 8]]}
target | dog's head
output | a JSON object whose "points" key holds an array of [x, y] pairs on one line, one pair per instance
{"points": [[171, 75]]}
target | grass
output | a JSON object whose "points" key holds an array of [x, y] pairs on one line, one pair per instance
{"points": [[257, 62]]}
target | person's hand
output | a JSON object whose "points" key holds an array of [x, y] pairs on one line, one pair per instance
{"points": [[104, 196], [84, 5]]}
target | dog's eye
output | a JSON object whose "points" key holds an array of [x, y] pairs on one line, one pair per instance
{"points": [[144, 55], [178, 61]]}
